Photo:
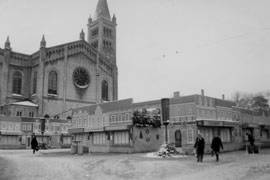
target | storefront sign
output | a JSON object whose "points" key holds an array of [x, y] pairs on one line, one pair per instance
{"points": [[76, 130], [215, 123], [229, 124], [115, 128], [212, 123]]}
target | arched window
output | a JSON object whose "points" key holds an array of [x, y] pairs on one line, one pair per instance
{"points": [[35, 82], [104, 91], [52, 84], [17, 82]]}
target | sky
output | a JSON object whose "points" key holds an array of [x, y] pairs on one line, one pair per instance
{"points": [[163, 46]]}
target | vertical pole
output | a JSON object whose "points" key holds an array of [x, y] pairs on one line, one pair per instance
{"points": [[165, 109], [166, 133]]}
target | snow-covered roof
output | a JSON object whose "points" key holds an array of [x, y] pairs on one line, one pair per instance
{"points": [[25, 103]]}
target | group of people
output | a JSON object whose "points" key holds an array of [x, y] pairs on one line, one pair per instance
{"points": [[199, 145], [216, 145]]}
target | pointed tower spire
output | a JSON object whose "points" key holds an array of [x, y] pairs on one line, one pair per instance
{"points": [[90, 20], [102, 10], [7, 44], [114, 19], [43, 42], [82, 35]]}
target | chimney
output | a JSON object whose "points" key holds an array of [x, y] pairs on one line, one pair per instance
{"points": [[223, 97], [176, 94], [202, 92]]}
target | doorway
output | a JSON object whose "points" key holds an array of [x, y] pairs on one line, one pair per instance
{"points": [[178, 138]]}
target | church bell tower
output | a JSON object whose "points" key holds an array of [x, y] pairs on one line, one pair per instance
{"points": [[102, 31], [102, 37]]}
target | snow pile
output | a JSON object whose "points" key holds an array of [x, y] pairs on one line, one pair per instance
{"points": [[167, 150]]}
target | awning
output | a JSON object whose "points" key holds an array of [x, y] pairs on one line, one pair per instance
{"points": [[115, 128], [213, 123], [25, 103], [248, 125]]}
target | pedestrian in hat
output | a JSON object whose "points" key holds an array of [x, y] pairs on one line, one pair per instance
{"points": [[199, 147]]}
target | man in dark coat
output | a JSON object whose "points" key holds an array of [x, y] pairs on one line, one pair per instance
{"points": [[34, 144], [251, 148], [250, 139], [216, 145], [199, 146]]}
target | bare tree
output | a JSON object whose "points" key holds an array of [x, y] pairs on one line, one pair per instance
{"points": [[257, 102]]}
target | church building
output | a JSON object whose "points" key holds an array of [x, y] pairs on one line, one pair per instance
{"points": [[55, 79]]}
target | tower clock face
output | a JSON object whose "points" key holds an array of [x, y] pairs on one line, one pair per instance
{"points": [[81, 78]]}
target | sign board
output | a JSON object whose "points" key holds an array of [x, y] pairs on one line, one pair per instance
{"points": [[165, 109], [76, 130], [215, 123]]}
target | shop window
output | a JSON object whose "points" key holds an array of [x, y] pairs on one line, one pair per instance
{"points": [[225, 135], [121, 138], [99, 138], [190, 136]]}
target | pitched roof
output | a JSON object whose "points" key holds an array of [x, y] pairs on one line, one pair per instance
{"points": [[102, 10], [107, 107], [24, 103]]}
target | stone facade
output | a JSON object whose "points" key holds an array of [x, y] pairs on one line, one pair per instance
{"points": [[54, 77]]}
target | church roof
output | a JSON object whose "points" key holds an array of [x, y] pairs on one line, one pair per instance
{"points": [[25, 103], [102, 10]]}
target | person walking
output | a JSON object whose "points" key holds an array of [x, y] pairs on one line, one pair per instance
{"points": [[251, 148], [34, 144], [250, 139], [216, 145], [199, 147]]}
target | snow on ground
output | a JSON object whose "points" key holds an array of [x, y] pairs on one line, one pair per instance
{"points": [[155, 155], [60, 164]]}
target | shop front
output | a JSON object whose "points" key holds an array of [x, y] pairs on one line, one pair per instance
{"points": [[226, 130]]}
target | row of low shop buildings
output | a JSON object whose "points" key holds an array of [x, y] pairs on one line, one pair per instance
{"points": [[125, 126], [111, 126], [16, 132], [19, 121]]}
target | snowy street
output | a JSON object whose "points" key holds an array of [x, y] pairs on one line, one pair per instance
{"points": [[60, 164]]}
